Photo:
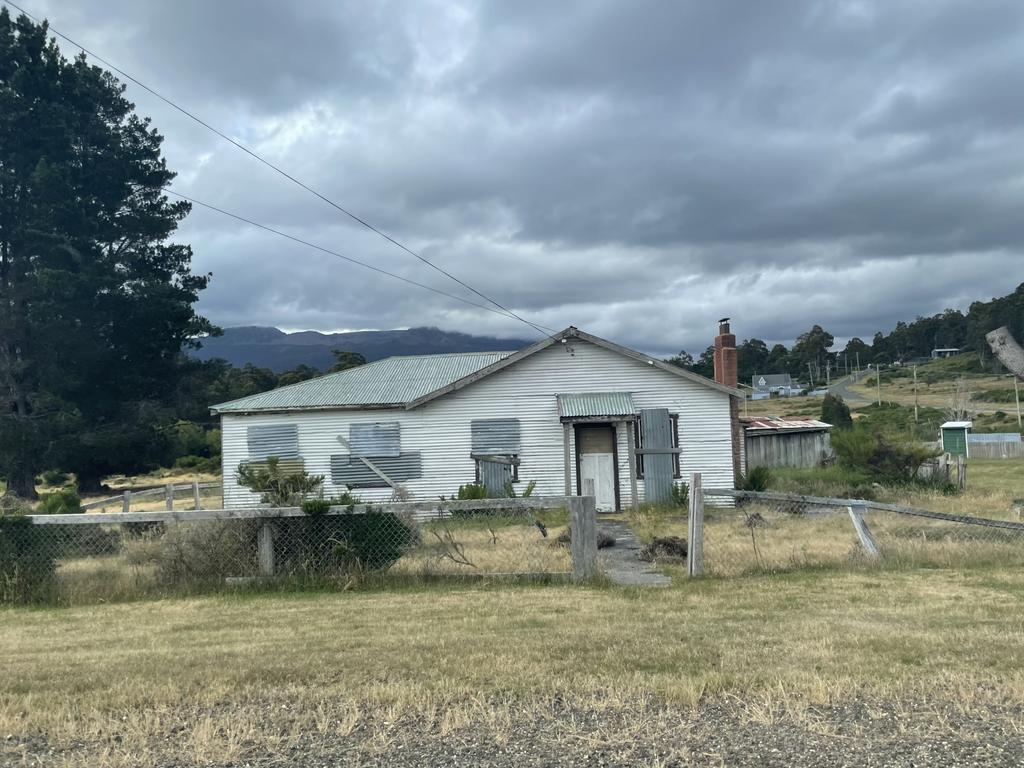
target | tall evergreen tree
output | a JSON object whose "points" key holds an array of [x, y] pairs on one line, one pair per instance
{"points": [[95, 303]]}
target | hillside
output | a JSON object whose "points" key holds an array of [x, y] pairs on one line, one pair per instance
{"points": [[272, 348]]}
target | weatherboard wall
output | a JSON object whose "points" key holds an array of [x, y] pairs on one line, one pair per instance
{"points": [[440, 431]]}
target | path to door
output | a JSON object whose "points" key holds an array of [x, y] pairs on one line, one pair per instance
{"points": [[622, 564]]}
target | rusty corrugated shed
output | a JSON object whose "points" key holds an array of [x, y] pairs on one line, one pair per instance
{"points": [[777, 424]]}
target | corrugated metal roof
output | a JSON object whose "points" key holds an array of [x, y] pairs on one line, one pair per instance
{"points": [[957, 425], [776, 424], [582, 404], [392, 381], [994, 437]]}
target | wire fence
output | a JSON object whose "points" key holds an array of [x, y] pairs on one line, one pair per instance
{"points": [[748, 532], [89, 558]]}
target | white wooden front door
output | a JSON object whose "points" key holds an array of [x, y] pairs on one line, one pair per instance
{"points": [[597, 465]]}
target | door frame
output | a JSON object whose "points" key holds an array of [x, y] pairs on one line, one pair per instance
{"points": [[615, 456]]}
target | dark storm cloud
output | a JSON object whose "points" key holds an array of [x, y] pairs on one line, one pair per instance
{"points": [[638, 169]]}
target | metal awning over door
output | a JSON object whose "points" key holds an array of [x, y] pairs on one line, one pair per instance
{"points": [[590, 406]]}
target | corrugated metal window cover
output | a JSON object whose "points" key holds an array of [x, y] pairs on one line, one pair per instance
{"points": [[266, 440], [351, 471], [498, 436], [382, 438], [589, 404]]}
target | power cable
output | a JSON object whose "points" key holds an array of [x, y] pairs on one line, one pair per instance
{"points": [[239, 217], [280, 171]]}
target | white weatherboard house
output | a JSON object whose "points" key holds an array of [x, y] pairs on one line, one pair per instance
{"points": [[575, 413]]}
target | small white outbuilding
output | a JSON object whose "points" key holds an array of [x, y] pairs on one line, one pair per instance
{"points": [[575, 413]]}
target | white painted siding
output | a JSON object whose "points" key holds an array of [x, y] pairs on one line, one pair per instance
{"points": [[440, 430]]}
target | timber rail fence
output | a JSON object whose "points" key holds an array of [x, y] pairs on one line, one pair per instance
{"points": [[193, 491], [84, 558]]}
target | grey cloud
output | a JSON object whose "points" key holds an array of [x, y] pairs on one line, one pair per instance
{"points": [[638, 169]]}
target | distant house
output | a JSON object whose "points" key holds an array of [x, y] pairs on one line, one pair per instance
{"points": [[945, 352], [767, 384], [771, 441], [575, 413]]}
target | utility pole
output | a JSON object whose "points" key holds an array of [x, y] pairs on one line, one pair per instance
{"points": [[878, 380], [915, 394], [810, 374], [828, 373], [858, 362]]}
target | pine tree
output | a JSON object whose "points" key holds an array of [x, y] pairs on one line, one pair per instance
{"points": [[96, 303]]}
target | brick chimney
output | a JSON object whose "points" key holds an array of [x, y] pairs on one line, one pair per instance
{"points": [[726, 373], [725, 355]]}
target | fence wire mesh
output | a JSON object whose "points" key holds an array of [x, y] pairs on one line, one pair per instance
{"points": [[747, 532], [96, 562]]}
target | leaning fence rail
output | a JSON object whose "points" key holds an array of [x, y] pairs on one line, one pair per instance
{"points": [[748, 531], [91, 557], [839, 505]]}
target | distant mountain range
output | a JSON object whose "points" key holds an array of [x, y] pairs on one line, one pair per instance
{"points": [[272, 348]]}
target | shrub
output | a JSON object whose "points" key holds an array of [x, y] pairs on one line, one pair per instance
{"points": [[277, 485], [314, 507], [27, 564], [758, 479], [885, 461], [854, 448], [372, 541], [680, 494], [190, 554], [61, 502], [53, 478], [197, 463], [472, 492], [836, 412]]}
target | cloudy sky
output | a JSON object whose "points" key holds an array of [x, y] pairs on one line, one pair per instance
{"points": [[637, 169]]}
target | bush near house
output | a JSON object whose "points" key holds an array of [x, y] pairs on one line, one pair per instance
{"points": [[27, 565]]}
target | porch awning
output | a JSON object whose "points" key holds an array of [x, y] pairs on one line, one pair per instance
{"points": [[590, 405]]}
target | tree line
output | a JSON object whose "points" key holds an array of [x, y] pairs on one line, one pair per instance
{"points": [[811, 357]]}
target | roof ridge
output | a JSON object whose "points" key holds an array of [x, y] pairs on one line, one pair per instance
{"points": [[449, 354]]}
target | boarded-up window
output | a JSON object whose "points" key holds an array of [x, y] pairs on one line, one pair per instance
{"points": [[495, 436], [378, 439], [676, 469], [266, 440], [352, 471]]}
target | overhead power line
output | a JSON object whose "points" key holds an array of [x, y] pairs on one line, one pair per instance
{"points": [[342, 256], [281, 171]]}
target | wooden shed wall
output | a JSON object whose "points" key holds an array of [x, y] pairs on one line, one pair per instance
{"points": [[795, 449]]}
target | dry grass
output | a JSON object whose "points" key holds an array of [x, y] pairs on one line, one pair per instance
{"points": [[936, 395], [782, 540], [215, 679]]}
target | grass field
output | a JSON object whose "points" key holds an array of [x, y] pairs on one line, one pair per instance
{"points": [[829, 649], [222, 680]]}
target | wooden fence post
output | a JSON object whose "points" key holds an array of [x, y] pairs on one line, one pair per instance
{"points": [[170, 497], [583, 537], [695, 528], [126, 501], [863, 532], [265, 549], [195, 494]]}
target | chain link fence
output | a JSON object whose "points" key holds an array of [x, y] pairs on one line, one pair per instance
{"points": [[89, 558], [747, 532]]}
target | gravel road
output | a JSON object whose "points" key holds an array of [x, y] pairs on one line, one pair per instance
{"points": [[726, 733]]}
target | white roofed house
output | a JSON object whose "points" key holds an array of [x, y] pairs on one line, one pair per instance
{"points": [[574, 413]]}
